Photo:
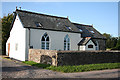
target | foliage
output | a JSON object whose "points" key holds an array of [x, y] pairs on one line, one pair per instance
{"points": [[112, 42], [6, 22], [76, 68], [108, 36], [0, 36], [117, 47], [36, 64]]}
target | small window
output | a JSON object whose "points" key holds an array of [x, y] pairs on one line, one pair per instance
{"points": [[80, 30], [69, 28], [16, 46], [92, 32], [38, 24], [90, 46]]}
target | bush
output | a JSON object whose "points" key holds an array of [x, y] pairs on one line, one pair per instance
{"points": [[116, 48]]}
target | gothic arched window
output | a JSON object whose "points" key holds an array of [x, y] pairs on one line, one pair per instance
{"points": [[45, 41], [66, 43]]}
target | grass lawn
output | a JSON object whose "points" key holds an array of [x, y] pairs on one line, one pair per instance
{"points": [[77, 68]]}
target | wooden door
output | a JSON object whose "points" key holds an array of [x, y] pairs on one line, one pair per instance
{"points": [[8, 48]]}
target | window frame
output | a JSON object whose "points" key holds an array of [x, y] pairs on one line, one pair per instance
{"points": [[80, 30], [90, 46], [38, 24], [69, 28], [45, 42], [92, 31], [66, 43]]}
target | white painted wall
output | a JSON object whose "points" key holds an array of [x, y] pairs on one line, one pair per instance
{"points": [[56, 39], [90, 42], [82, 48], [17, 36]]}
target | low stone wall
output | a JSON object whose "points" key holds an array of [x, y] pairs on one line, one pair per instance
{"points": [[86, 57], [59, 58], [43, 56]]}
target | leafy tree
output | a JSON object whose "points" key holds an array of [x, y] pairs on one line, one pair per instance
{"points": [[0, 37], [6, 22], [111, 42], [108, 41], [118, 44], [108, 36], [114, 42]]}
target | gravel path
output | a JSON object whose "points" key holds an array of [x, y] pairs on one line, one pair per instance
{"points": [[16, 69]]}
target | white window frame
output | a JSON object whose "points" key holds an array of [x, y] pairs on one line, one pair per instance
{"points": [[45, 42], [66, 43]]}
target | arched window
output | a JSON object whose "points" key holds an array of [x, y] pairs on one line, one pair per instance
{"points": [[66, 43], [45, 41]]}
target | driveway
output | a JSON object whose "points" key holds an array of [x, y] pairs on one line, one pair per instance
{"points": [[16, 69]]}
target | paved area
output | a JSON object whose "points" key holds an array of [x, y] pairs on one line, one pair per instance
{"points": [[16, 69]]}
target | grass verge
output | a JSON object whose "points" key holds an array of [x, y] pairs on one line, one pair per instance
{"points": [[36, 64], [77, 68]]}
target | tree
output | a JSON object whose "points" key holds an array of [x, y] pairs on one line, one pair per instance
{"points": [[118, 44], [108, 41], [111, 42], [0, 36], [6, 22], [108, 36]]}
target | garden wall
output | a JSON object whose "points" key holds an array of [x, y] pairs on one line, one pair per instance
{"points": [[59, 58], [87, 57], [43, 56]]}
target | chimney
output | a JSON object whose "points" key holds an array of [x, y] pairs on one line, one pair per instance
{"points": [[16, 7], [19, 8], [67, 16], [92, 25]]}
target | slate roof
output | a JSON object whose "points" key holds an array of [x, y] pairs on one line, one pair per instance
{"points": [[84, 41], [49, 22], [86, 31]]}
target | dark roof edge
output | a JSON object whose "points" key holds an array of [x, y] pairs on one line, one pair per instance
{"points": [[14, 17], [82, 24], [99, 38], [40, 14], [51, 29]]}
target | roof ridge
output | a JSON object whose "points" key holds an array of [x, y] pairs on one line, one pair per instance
{"points": [[40, 14], [82, 24]]}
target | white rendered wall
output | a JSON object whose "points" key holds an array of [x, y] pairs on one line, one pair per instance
{"points": [[17, 36], [90, 42], [56, 39], [8, 41], [82, 48]]}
